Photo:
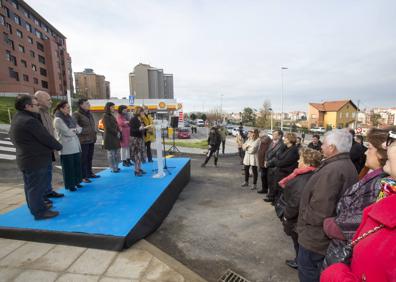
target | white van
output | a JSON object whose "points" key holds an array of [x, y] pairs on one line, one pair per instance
{"points": [[199, 122]]}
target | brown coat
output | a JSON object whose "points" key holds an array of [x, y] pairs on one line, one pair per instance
{"points": [[86, 121], [264, 145], [319, 200]]}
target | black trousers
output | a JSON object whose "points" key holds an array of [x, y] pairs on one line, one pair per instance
{"points": [[255, 173], [71, 169], [223, 146], [36, 183], [148, 149], [87, 151], [271, 179], [264, 180], [241, 154], [212, 152]]}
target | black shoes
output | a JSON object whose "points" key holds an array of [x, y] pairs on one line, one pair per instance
{"points": [[126, 163], [262, 191], [94, 176], [46, 215], [72, 189], [203, 165], [86, 180], [268, 200], [116, 170], [79, 186], [54, 194], [291, 263], [138, 173], [142, 171]]}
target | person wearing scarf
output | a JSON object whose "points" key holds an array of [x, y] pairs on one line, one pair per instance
{"points": [[292, 186], [374, 256], [355, 199], [66, 130]]}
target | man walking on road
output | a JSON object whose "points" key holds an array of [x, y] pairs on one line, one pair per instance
{"points": [[34, 147], [45, 102]]}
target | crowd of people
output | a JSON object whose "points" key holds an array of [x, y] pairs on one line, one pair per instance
{"points": [[38, 136], [328, 197]]}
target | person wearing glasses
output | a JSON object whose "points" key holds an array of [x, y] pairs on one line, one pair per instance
{"points": [[374, 243], [34, 146]]}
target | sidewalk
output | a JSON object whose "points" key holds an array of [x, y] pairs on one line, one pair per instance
{"points": [[231, 148], [4, 127], [31, 261]]}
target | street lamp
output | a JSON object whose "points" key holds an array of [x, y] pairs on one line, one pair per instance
{"points": [[270, 109], [282, 69]]}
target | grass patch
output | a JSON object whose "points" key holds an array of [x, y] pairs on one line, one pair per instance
{"points": [[5, 104], [202, 144]]}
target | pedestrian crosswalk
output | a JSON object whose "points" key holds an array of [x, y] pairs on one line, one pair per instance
{"points": [[7, 149]]}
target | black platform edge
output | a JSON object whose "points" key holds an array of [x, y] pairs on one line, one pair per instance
{"points": [[151, 220], [160, 209]]}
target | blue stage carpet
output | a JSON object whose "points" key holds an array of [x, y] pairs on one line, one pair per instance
{"points": [[111, 205]]}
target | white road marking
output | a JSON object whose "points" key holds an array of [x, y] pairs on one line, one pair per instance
{"points": [[7, 149], [6, 142], [7, 157]]}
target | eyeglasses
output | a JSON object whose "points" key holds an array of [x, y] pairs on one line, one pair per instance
{"points": [[391, 138]]}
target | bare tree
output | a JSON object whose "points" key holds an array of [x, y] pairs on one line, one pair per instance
{"points": [[264, 117]]}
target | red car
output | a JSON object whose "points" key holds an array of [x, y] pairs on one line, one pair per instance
{"points": [[183, 133]]}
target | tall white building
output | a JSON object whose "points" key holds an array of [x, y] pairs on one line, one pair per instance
{"points": [[147, 82]]}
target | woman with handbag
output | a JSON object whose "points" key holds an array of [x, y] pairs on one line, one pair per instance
{"points": [[123, 126], [111, 137], [287, 207], [373, 249], [137, 141], [251, 147], [342, 227]]}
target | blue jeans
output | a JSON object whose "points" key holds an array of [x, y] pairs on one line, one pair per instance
{"points": [[36, 185], [309, 265]]}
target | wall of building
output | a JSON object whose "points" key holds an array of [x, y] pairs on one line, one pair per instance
{"points": [[346, 116], [330, 120]]}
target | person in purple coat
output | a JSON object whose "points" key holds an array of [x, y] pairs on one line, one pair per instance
{"points": [[123, 126]]}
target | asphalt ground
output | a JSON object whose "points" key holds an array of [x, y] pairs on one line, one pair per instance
{"points": [[216, 225]]}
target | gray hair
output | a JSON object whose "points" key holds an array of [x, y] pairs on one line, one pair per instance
{"points": [[340, 138]]}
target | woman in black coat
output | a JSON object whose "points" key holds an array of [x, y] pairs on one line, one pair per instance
{"points": [[137, 139], [286, 161], [293, 186], [111, 138]]}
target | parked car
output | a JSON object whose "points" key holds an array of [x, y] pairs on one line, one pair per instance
{"points": [[184, 133], [200, 122], [186, 124], [318, 130], [236, 130], [229, 129]]}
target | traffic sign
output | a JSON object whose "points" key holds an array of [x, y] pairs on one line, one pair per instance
{"points": [[131, 100], [359, 130]]}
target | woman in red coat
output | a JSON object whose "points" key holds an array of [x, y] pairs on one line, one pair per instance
{"points": [[374, 257], [123, 126]]}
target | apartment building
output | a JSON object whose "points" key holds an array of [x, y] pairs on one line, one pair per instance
{"points": [[91, 85]]}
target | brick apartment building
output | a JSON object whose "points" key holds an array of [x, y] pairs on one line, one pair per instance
{"points": [[33, 53], [91, 85]]}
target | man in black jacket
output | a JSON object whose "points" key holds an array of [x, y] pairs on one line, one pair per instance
{"points": [[214, 141], [277, 147], [34, 147]]}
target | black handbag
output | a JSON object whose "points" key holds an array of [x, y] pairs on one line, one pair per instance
{"points": [[280, 207], [342, 252]]}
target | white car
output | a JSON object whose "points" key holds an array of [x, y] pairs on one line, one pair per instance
{"points": [[200, 122], [318, 130]]}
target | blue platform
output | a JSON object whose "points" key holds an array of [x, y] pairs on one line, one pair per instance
{"points": [[112, 212]]}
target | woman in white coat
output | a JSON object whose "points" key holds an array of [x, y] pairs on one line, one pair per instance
{"points": [[250, 160], [66, 130]]}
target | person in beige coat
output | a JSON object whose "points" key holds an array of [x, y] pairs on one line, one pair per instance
{"points": [[251, 147]]}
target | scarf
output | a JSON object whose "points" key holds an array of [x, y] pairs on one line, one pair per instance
{"points": [[294, 174], [84, 112], [67, 119], [388, 188]]}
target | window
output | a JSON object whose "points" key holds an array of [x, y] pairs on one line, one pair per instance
{"points": [[17, 19], [44, 84], [40, 46], [353, 115], [2, 21], [41, 59], [347, 115], [28, 27], [19, 33], [35, 80], [25, 77], [7, 12], [313, 116], [13, 74], [8, 27], [14, 3], [43, 72], [21, 48], [340, 115], [38, 34], [34, 68], [10, 58], [36, 21], [24, 63], [30, 40], [25, 13], [32, 55]]}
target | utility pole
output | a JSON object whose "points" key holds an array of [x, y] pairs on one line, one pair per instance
{"points": [[282, 69], [357, 113]]}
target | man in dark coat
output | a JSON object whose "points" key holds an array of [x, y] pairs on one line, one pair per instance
{"points": [[265, 144], [276, 148], [315, 144], [87, 138], [319, 200], [214, 141], [34, 146], [357, 153]]}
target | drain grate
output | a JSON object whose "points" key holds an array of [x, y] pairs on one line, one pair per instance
{"points": [[231, 276]]}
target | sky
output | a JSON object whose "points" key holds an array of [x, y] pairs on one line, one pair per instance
{"points": [[229, 53]]}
